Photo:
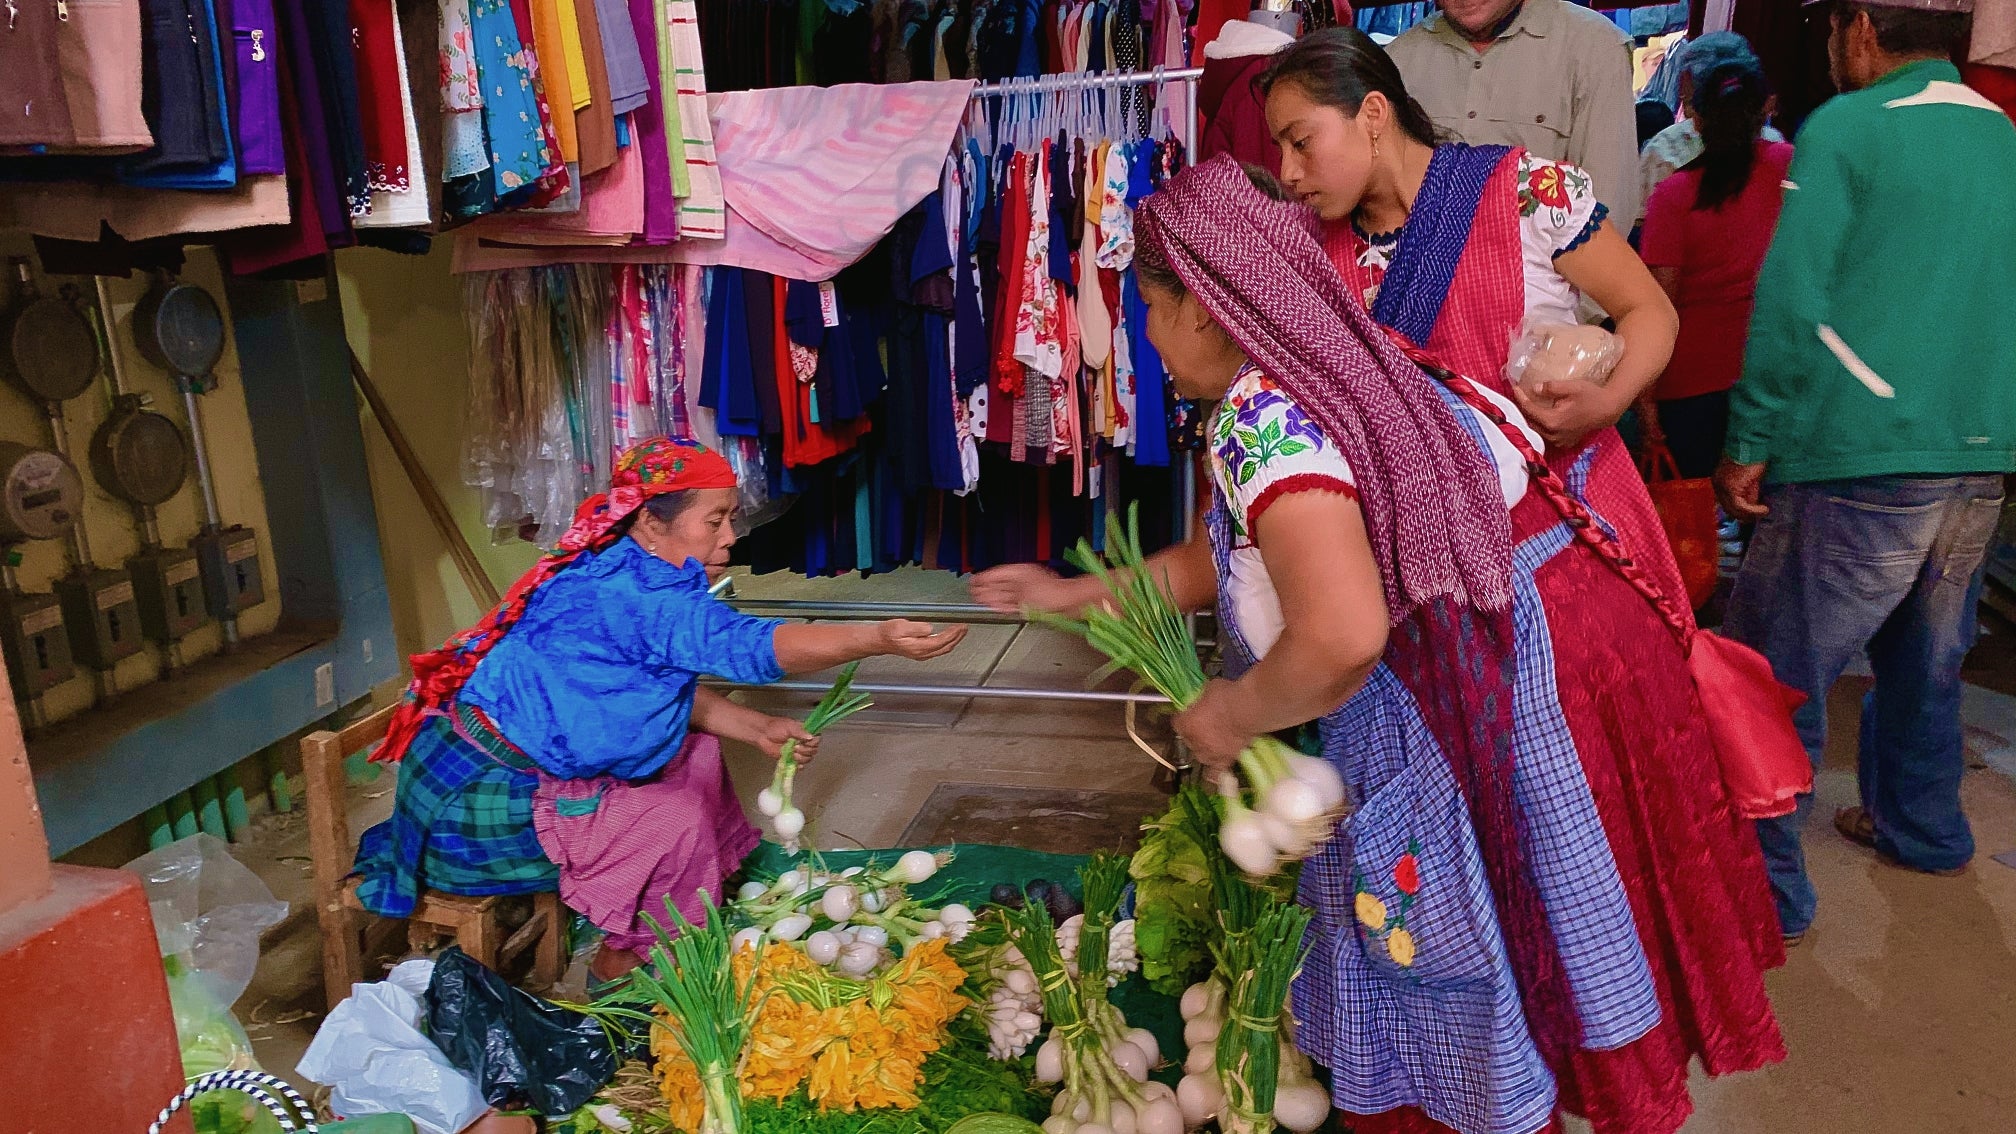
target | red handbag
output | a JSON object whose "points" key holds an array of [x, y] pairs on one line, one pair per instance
{"points": [[1749, 711], [1687, 511]]}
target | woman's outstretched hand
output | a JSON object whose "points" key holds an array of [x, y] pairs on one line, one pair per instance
{"points": [[773, 732], [1017, 587], [917, 640]]}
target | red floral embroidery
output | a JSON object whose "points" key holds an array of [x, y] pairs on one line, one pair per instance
{"points": [[1407, 874], [1548, 186]]}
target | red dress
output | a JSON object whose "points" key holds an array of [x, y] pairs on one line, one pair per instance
{"points": [[1690, 865]]}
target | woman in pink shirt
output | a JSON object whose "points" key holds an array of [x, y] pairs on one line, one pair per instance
{"points": [[1706, 230]]}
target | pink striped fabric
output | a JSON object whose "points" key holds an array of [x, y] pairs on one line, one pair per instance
{"points": [[867, 154], [642, 842]]}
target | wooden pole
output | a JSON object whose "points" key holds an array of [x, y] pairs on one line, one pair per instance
{"points": [[473, 575]]}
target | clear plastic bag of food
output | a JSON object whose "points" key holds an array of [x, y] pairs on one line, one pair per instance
{"points": [[1562, 352]]}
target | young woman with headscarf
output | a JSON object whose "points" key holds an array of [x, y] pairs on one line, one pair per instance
{"points": [[1454, 248], [565, 741], [1542, 899]]}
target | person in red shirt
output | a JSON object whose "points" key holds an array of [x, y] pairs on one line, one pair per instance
{"points": [[1706, 230]]}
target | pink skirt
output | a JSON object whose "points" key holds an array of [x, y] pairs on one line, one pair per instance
{"points": [[626, 847]]}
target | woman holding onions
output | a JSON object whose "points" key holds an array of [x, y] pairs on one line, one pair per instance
{"points": [[565, 739], [1486, 947]]}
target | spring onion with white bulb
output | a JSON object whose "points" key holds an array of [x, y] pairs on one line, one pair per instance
{"points": [[1289, 804], [854, 921], [1265, 960], [690, 980], [839, 703], [1102, 1064]]}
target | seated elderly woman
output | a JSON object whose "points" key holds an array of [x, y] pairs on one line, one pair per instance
{"points": [[565, 739]]}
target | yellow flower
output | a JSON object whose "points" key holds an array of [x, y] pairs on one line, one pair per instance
{"points": [[1400, 946], [1371, 911]]}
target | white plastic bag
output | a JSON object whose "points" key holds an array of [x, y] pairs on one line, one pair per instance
{"points": [[372, 1055], [1562, 352], [209, 910]]}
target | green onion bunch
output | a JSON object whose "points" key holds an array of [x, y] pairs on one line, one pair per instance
{"points": [[1289, 803], [689, 977], [839, 703], [1264, 959]]}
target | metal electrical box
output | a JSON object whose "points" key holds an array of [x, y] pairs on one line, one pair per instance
{"points": [[37, 649], [230, 565], [103, 616], [168, 584]]}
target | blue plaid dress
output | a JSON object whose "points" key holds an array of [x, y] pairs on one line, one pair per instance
{"points": [[1408, 995], [461, 822]]}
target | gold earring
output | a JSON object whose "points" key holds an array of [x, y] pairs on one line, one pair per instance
{"points": [[1375, 146]]}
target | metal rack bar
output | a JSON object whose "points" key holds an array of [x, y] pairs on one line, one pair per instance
{"points": [[1087, 81], [1103, 80], [968, 692]]}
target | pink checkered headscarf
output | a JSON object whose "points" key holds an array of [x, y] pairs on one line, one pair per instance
{"points": [[1433, 509], [1431, 501]]}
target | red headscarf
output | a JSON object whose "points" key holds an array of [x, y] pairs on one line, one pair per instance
{"points": [[650, 468]]}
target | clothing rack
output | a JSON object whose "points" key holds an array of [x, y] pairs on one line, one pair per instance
{"points": [[1186, 129], [1106, 80]]}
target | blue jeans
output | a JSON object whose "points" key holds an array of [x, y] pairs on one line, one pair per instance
{"points": [[1891, 566]]}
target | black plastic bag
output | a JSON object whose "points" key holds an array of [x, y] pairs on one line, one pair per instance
{"points": [[526, 1053]]}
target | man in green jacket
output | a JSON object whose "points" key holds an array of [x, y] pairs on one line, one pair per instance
{"points": [[1875, 421]]}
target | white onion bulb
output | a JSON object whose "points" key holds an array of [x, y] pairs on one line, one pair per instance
{"points": [[914, 867], [1301, 1106], [1319, 775], [791, 928], [1131, 1060], [769, 802], [1159, 1116], [1145, 1040], [1050, 1062], [1247, 844], [823, 947], [1199, 1096], [839, 903], [789, 823], [859, 959]]}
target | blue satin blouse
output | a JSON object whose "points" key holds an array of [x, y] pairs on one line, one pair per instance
{"points": [[598, 676]]}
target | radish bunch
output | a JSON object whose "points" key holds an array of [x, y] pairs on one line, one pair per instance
{"points": [[855, 921], [1123, 956]]}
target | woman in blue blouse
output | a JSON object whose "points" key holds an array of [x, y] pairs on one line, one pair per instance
{"points": [[565, 740]]}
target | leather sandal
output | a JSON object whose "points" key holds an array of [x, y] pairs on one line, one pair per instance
{"points": [[1856, 825]]}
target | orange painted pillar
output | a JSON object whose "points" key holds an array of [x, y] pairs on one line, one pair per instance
{"points": [[88, 1042]]}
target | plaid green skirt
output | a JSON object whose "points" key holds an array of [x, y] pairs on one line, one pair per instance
{"points": [[461, 822]]}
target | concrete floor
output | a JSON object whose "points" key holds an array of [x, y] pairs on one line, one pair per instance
{"points": [[1899, 1010]]}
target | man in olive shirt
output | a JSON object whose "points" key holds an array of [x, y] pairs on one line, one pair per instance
{"points": [[1874, 423], [1551, 77]]}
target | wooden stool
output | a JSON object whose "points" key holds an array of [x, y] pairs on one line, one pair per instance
{"points": [[350, 933]]}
